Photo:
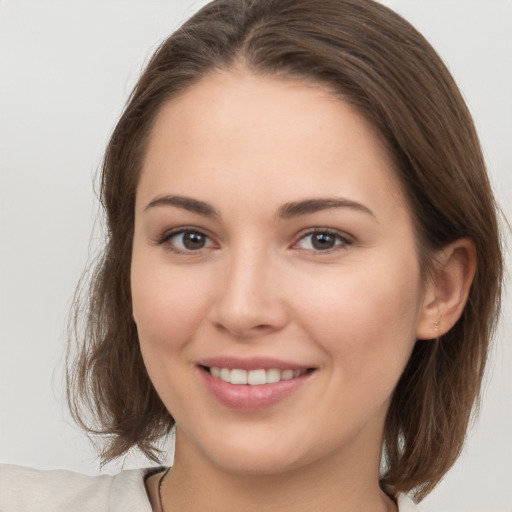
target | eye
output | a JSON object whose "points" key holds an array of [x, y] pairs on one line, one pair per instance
{"points": [[322, 240], [186, 240]]}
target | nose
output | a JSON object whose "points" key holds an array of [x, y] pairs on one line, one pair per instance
{"points": [[249, 301]]}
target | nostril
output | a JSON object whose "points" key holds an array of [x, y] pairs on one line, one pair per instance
{"points": [[244, 331], [262, 327], [245, 315]]}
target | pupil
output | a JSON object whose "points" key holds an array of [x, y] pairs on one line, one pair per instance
{"points": [[193, 240], [323, 241]]}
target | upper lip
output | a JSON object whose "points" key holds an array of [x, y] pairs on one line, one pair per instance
{"points": [[251, 363]]}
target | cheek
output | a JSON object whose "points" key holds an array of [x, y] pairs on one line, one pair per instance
{"points": [[365, 321], [168, 309], [168, 305]]}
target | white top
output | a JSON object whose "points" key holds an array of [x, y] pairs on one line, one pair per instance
{"points": [[30, 490]]}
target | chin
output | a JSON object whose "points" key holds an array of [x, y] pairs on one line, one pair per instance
{"points": [[258, 464], [252, 454]]}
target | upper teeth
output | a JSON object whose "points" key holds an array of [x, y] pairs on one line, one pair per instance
{"points": [[254, 377]]}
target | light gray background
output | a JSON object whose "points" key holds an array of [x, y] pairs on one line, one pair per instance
{"points": [[66, 68]]}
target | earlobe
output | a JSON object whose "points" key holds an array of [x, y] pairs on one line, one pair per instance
{"points": [[447, 292]]}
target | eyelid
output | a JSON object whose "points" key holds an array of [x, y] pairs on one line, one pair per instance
{"points": [[167, 235], [346, 239]]}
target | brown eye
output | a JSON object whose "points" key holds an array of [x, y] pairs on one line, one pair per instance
{"points": [[193, 240], [187, 240], [322, 240]]}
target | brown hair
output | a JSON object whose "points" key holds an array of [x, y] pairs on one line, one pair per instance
{"points": [[379, 63]]}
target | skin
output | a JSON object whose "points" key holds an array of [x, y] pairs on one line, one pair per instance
{"points": [[246, 146]]}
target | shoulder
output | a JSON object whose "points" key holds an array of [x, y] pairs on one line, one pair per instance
{"points": [[30, 490], [406, 504]]}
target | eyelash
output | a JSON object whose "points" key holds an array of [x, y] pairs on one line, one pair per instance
{"points": [[343, 240], [168, 235]]}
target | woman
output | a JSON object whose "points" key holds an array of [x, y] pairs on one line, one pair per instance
{"points": [[289, 278]]}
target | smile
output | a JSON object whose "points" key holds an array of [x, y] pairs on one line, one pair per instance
{"points": [[253, 388], [257, 377]]}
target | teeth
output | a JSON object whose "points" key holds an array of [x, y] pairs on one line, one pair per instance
{"points": [[257, 377], [225, 374], [238, 377], [254, 377], [287, 374], [273, 376]]}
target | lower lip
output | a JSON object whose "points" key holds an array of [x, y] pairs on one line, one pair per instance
{"points": [[245, 397]]}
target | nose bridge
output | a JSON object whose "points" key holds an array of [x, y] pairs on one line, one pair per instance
{"points": [[249, 299]]}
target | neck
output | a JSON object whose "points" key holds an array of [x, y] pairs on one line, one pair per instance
{"points": [[196, 484]]}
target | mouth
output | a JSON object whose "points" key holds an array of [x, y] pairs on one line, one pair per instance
{"points": [[260, 385], [256, 377]]}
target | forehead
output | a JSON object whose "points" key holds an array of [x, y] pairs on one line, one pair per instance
{"points": [[246, 132]]}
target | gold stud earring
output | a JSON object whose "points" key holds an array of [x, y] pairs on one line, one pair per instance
{"points": [[436, 326]]}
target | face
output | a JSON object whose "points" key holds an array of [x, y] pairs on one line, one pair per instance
{"points": [[275, 280]]}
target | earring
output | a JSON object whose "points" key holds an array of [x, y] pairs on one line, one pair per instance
{"points": [[436, 326]]}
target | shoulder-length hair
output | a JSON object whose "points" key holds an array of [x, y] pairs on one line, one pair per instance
{"points": [[377, 62]]}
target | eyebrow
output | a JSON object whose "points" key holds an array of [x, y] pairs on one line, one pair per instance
{"points": [[286, 211], [187, 203], [310, 206]]}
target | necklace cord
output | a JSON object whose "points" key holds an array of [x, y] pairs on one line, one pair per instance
{"points": [[160, 483]]}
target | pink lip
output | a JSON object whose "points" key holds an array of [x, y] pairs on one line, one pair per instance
{"points": [[245, 397], [251, 363]]}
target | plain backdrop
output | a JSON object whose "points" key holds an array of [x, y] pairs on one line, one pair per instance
{"points": [[66, 69]]}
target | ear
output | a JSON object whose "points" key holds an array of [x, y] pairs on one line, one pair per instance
{"points": [[447, 290]]}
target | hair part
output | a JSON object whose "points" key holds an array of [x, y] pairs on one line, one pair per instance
{"points": [[376, 61]]}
